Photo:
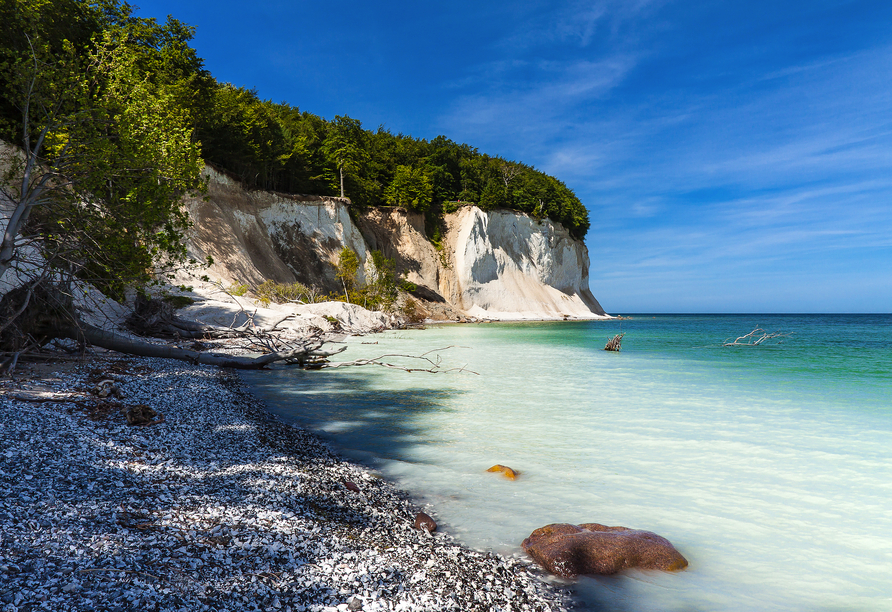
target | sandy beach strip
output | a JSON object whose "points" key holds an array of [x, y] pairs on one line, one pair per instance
{"points": [[217, 507]]}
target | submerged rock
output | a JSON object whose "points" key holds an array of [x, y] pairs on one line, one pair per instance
{"points": [[505, 471], [423, 522], [592, 549]]}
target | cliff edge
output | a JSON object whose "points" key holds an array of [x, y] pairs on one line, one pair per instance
{"points": [[494, 265]]}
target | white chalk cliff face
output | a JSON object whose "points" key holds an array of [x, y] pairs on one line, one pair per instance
{"points": [[496, 265], [508, 265]]}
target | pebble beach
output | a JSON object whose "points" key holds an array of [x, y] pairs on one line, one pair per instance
{"points": [[216, 505]]}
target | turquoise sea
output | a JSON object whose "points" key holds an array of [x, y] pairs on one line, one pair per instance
{"points": [[769, 467]]}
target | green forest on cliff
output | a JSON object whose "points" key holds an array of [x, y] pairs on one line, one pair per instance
{"points": [[266, 145]]}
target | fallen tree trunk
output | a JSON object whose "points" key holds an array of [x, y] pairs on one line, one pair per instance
{"points": [[303, 353], [34, 315], [157, 318]]}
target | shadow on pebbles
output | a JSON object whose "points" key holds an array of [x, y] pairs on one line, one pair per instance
{"points": [[210, 504]]}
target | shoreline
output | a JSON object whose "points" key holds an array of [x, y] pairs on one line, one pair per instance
{"points": [[219, 507]]}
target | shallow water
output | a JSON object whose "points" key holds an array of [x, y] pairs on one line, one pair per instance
{"points": [[769, 467]]}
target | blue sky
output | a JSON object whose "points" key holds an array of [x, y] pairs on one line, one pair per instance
{"points": [[734, 156]]}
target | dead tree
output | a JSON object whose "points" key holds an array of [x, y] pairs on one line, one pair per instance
{"points": [[306, 352], [156, 318], [755, 338], [615, 343], [35, 314]]}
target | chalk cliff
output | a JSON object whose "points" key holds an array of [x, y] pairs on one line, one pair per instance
{"points": [[509, 265], [496, 265]]}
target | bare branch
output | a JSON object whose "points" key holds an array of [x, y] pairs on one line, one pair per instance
{"points": [[435, 367], [44, 396], [18, 312], [509, 171], [755, 338], [308, 351]]}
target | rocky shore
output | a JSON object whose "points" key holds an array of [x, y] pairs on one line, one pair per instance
{"points": [[216, 507]]}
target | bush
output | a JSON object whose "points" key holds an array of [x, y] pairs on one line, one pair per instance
{"points": [[413, 314], [347, 268], [238, 289], [178, 301], [382, 288], [280, 293]]}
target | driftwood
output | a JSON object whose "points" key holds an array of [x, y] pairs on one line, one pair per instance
{"points": [[755, 338], [615, 343], [43, 396], [300, 353], [432, 366], [49, 313]]}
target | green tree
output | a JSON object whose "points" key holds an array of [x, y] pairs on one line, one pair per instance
{"points": [[107, 157], [245, 136], [344, 147], [347, 268], [276, 146], [54, 26], [411, 188], [493, 196], [383, 289]]}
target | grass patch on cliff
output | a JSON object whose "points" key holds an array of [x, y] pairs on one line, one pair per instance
{"points": [[284, 293]]}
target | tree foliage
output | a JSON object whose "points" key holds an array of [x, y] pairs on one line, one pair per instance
{"points": [[278, 147], [411, 188], [108, 152], [347, 269], [344, 147], [381, 287]]}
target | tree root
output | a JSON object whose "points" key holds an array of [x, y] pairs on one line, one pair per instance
{"points": [[615, 343]]}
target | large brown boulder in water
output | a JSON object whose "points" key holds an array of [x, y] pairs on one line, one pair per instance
{"points": [[592, 549]]}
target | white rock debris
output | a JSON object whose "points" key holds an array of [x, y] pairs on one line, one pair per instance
{"points": [[218, 507]]}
